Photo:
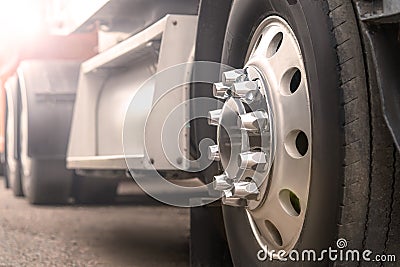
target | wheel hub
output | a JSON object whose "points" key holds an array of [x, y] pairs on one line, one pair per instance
{"points": [[245, 136]]}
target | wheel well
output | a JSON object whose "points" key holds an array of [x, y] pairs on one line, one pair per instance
{"points": [[380, 28]]}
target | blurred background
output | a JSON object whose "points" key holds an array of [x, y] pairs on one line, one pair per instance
{"points": [[134, 230]]}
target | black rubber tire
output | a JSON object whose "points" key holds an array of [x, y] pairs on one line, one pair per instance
{"points": [[353, 190], [95, 190], [2, 165], [213, 17], [14, 179], [47, 182], [6, 180]]}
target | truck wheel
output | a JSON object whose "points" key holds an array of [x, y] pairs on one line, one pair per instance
{"points": [[12, 174], [95, 190], [12, 165], [317, 139], [46, 182]]}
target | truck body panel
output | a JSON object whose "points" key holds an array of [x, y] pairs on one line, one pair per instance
{"points": [[131, 16], [110, 81]]}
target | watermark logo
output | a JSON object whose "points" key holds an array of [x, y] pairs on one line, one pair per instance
{"points": [[341, 243], [340, 253]]}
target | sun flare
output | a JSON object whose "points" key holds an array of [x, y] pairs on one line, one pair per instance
{"points": [[20, 19]]}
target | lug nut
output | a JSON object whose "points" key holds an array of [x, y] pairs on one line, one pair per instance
{"points": [[221, 183], [220, 90], [234, 201], [230, 77], [254, 121], [252, 160], [246, 89], [228, 193], [247, 190], [213, 153], [214, 116]]}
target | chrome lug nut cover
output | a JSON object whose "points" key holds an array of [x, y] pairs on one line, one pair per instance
{"points": [[254, 121], [252, 160], [221, 183], [234, 202], [220, 90], [214, 117], [230, 77], [247, 190], [246, 89], [213, 153]]}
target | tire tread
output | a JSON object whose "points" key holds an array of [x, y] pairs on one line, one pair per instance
{"points": [[367, 217]]}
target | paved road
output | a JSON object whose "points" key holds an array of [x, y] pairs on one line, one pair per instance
{"points": [[147, 234]]}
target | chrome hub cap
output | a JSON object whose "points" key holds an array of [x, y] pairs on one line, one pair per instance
{"points": [[264, 136]]}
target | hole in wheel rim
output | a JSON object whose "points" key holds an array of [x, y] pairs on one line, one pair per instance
{"points": [[275, 44], [274, 232], [258, 43], [296, 144], [291, 81], [302, 143], [290, 202], [295, 81]]}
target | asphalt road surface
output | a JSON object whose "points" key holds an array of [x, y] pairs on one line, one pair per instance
{"points": [[137, 231]]}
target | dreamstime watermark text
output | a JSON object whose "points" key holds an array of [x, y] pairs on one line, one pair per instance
{"points": [[338, 254]]}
